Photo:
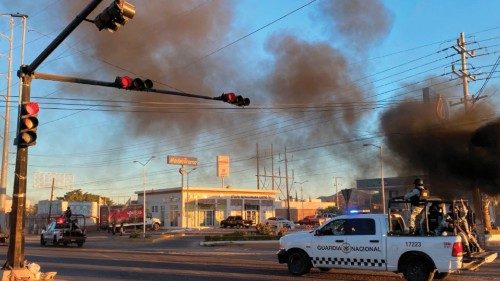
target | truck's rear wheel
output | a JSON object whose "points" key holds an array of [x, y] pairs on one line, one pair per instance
{"points": [[418, 270], [441, 275], [80, 244], [298, 263], [42, 241], [54, 241]]}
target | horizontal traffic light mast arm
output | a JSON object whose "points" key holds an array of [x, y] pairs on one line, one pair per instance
{"points": [[77, 80]]}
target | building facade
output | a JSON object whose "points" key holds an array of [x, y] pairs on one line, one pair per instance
{"points": [[207, 206]]}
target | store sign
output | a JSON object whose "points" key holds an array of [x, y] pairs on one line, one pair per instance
{"points": [[250, 197], [182, 160], [223, 165]]}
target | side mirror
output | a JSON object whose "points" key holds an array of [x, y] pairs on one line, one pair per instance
{"points": [[318, 232]]}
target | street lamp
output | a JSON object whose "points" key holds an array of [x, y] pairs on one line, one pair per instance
{"points": [[144, 194], [301, 194], [187, 176], [381, 172]]}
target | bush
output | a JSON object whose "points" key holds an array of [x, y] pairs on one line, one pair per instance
{"points": [[262, 233], [264, 229]]}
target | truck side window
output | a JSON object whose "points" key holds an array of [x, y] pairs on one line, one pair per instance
{"points": [[334, 227], [360, 227]]}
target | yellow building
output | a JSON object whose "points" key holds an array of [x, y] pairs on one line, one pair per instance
{"points": [[207, 206]]}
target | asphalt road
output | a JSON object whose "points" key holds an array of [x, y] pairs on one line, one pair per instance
{"points": [[105, 257]]}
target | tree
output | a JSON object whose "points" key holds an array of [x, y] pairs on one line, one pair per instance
{"points": [[330, 209], [79, 195]]}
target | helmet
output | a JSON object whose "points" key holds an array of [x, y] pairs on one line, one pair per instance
{"points": [[418, 182]]}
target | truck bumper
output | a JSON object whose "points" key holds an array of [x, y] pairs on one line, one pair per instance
{"points": [[282, 256]]}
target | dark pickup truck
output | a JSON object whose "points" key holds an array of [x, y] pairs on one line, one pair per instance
{"points": [[235, 221]]}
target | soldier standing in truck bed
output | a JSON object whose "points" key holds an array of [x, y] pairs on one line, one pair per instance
{"points": [[415, 196]]}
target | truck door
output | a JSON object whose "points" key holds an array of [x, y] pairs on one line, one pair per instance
{"points": [[329, 245], [367, 245]]}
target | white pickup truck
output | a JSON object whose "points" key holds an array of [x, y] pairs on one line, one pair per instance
{"points": [[364, 241]]}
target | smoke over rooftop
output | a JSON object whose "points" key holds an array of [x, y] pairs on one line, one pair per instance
{"points": [[458, 153]]}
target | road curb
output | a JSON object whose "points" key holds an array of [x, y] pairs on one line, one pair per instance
{"points": [[223, 243]]}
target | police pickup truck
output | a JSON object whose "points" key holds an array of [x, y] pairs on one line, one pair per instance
{"points": [[370, 241]]}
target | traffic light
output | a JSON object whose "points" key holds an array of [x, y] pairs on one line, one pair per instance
{"points": [[128, 83], [115, 15], [232, 98], [28, 123]]}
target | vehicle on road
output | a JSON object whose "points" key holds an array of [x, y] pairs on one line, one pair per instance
{"points": [[119, 218], [279, 222], [375, 242], [309, 220], [236, 221], [65, 231]]}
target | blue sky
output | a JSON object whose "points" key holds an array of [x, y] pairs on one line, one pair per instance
{"points": [[209, 47]]}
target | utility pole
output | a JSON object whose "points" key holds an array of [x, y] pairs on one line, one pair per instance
{"points": [[258, 170], [287, 190], [461, 49], [6, 135], [272, 168], [336, 191], [51, 198]]}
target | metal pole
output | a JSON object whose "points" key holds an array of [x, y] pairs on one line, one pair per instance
{"points": [[65, 33], [287, 190], [144, 194], [144, 201], [51, 198], [6, 130], [465, 77], [382, 178], [15, 255]]}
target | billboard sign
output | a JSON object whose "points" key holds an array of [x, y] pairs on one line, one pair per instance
{"points": [[182, 160], [223, 166]]}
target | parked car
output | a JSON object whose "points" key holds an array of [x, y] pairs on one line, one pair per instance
{"points": [[279, 222], [309, 220], [235, 221]]}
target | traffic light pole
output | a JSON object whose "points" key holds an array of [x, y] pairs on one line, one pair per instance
{"points": [[15, 254]]}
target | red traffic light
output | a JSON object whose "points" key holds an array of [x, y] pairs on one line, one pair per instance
{"points": [[232, 98], [30, 108], [125, 82], [28, 124]]}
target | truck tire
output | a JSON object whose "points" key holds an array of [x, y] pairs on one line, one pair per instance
{"points": [[54, 241], [80, 244], [42, 241], [417, 269], [324, 269], [441, 275], [298, 263]]}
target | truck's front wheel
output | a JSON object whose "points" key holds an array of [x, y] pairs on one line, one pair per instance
{"points": [[298, 263], [418, 270]]}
